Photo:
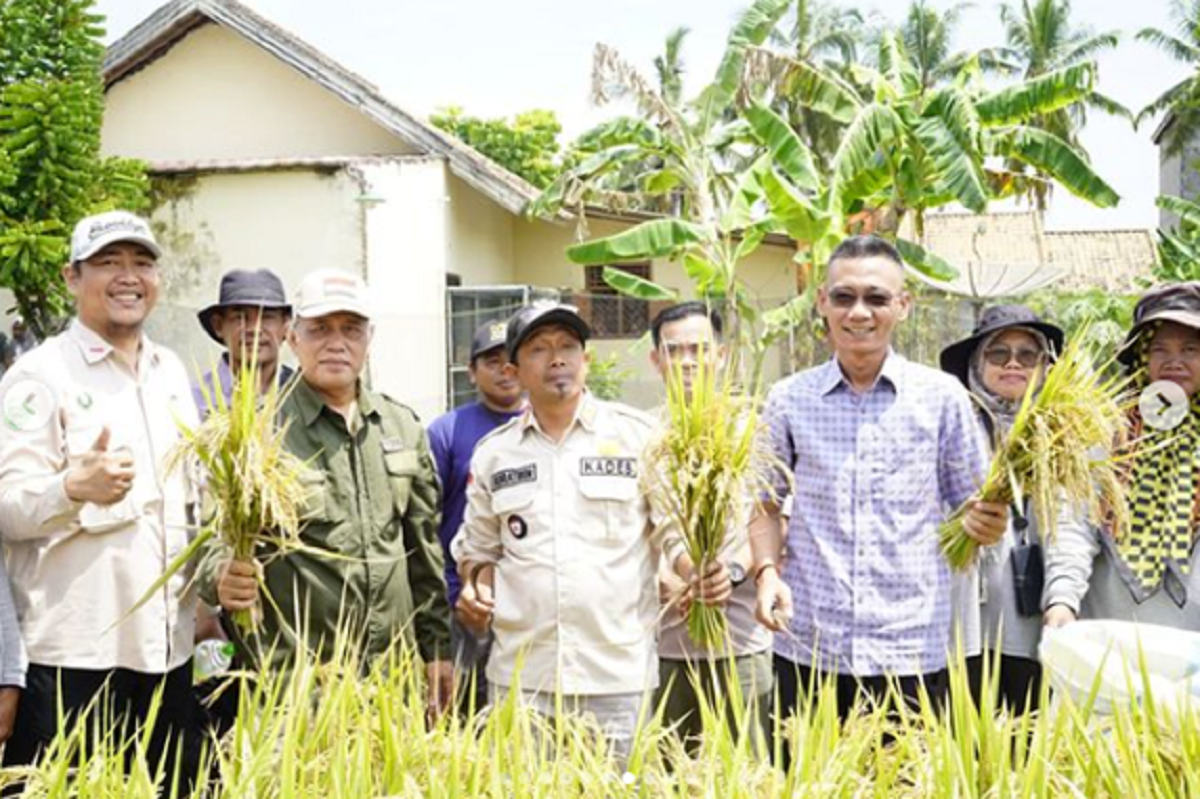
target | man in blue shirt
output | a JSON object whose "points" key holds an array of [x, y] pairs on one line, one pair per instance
{"points": [[452, 439], [880, 449]]}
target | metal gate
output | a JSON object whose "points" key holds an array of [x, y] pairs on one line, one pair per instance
{"points": [[470, 307]]}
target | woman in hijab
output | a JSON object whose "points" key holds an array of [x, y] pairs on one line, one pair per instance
{"points": [[1008, 352], [1146, 572]]}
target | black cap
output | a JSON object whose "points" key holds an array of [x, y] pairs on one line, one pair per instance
{"points": [[956, 359], [488, 336], [531, 317], [1177, 302], [261, 288]]}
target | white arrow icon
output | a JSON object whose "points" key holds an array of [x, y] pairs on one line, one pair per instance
{"points": [[1163, 405]]}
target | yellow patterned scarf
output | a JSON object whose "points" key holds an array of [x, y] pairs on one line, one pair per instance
{"points": [[1162, 499]]}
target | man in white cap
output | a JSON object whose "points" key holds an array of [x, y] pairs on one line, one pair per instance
{"points": [[372, 567], [89, 512]]}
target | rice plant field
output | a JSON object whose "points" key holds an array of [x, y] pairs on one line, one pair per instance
{"points": [[333, 731]]}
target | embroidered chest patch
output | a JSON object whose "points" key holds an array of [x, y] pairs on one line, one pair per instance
{"points": [[608, 467], [507, 478]]}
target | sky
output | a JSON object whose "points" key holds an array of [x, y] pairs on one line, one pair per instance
{"points": [[499, 57]]}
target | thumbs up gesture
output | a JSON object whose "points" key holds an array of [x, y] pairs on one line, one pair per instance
{"points": [[100, 476]]}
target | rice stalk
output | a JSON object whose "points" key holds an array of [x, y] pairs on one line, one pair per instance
{"points": [[706, 470], [1057, 451], [335, 728], [252, 483]]}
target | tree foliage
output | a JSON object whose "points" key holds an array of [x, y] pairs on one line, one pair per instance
{"points": [[818, 42], [1041, 38], [1182, 100], [526, 146], [1179, 249], [711, 165], [735, 169], [51, 171], [928, 35]]}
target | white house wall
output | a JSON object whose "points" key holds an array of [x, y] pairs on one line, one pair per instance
{"points": [[215, 95], [407, 230], [540, 258], [289, 222], [481, 237]]}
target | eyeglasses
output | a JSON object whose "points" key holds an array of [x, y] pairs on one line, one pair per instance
{"points": [[1002, 355], [844, 298]]}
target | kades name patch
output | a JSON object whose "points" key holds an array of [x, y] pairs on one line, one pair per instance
{"points": [[507, 478], [608, 467]]}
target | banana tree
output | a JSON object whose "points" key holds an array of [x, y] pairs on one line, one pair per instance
{"points": [[729, 176], [909, 148], [1179, 249]]}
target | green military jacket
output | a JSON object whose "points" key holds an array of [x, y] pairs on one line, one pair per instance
{"points": [[371, 523]]}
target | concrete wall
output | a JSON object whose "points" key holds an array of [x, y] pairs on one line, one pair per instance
{"points": [[541, 260], [289, 222], [1170, 182], [481, 237], [407, 244], [1179, 176], [294, 222], [215, 95]]}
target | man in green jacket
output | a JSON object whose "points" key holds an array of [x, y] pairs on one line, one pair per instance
{"points": [[372, 566]]}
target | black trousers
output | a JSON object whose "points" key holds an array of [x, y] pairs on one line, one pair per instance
{"points": [[124, 699], [794, 681], [1020, 682]]}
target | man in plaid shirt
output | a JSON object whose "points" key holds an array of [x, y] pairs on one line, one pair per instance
{"points": [[880, 449]]}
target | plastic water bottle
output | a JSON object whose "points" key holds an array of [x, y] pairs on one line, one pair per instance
{"points": [[212, 659]]}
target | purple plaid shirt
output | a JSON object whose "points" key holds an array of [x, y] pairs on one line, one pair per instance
{"points": [[875, 473]]}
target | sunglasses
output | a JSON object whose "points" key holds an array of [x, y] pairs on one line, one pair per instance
{"points": [[1002, 355], [844, 298]]}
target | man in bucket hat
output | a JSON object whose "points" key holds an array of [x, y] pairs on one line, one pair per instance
{"points": [[371, 566], [249, 319], [1148, 572], [1006, 354]]}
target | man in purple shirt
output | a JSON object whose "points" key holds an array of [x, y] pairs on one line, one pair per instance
{"points": [[880, 449], [251, 311], [452, 439]]}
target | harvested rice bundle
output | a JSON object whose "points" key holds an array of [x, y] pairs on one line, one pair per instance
{"points": [[704, 471], [253, 491], [1049, 454]]}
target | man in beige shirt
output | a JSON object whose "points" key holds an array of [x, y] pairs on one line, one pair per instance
{"points": [[90, 516], [558, 550], [683, 336]]}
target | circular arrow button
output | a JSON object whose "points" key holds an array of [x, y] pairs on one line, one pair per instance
{"points": [[1163, 405]]}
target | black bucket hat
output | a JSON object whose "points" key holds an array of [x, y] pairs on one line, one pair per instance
{"points": [[261, 288], [956, 359], [1177, 302]]}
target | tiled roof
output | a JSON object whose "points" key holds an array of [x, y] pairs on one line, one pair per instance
{"points": [[1108, 259], [1009, 253], [160, 31]]}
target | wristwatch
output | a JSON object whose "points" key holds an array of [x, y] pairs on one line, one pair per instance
{"points": [[737, 573]]}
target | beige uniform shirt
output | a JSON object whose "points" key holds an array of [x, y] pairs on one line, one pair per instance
{"points": [[575, 550], [77, 569]]}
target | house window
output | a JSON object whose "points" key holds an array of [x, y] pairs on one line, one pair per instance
{"points": [[613, 315]]}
